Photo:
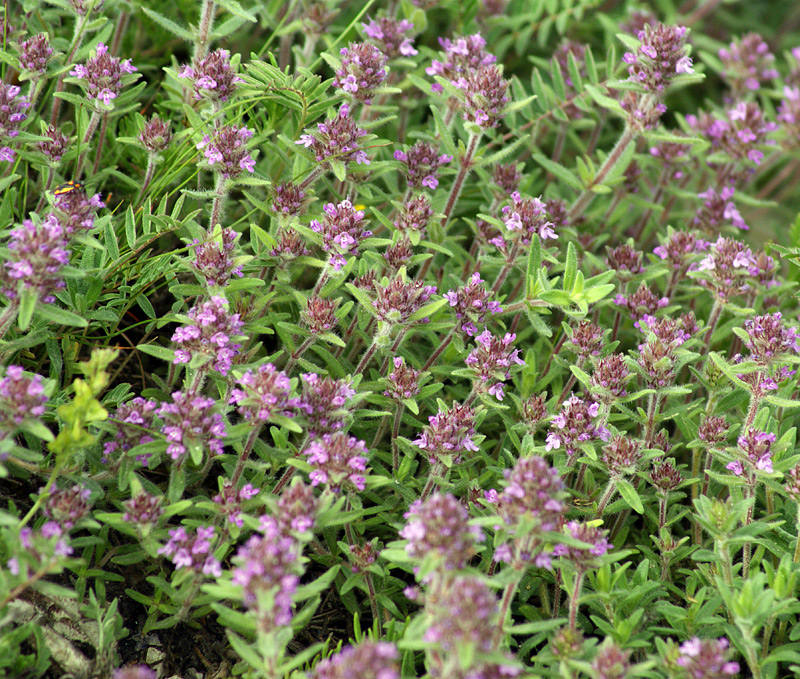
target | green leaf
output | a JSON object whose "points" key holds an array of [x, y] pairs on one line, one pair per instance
{"points": [[54, 314], [159, 352], [559, 171], [168, 24], [629, 494], [534, 266], [782, 402], [570, 269], [428, 310], [361, 296], [27, 304]]}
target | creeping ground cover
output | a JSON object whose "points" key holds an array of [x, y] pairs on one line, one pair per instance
{"points": [[382, 340]]}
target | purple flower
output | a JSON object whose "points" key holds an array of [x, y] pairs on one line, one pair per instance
{"points": [[362, 71], [54, 148], [440, 526], [324, 401], [230, 500], [193, 551], [713, 431], [213, 259], [665, 476], [448, 434], [22, 399], [757, 447], [483, 95], [718, 209], [190, 423], [669, 330], [533, 410], [747, 63], [225, 150], [403, 381], [76, 211], [338, 460], [611, 662], [212, 76], [657, 361], [678, 249], [491, 361], [609, 379], [319, 315], [264, 393], [507, 177], [34, 53], [728, 267], [102, 75], [399, 299], [768, 338], [342, 230], [421, 163], [706, 659], [643, 302], [13, 111], [134, 422], [296, 508], [575, 425], [586, 340], [209, 334], [83, 7], [789, 115], [337, 139], [622, 455], [414, 216], [290, 246], [390, 36], [143, 510], [267, 569], [288, 199], [155, 135], [583, 558], [367, 660], [38, 252], [67, 506], [660, 56], [134, 672], [740, 133], [461, 613], [626, 260], [38, 549], [471, 303], [461, 55], [533, 495], [528, 216]]}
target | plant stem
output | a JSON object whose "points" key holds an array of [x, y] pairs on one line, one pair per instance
{"points": [[505, 609], [608, 493], [713, 319], [444, 344], [220, 193], [465, 166], [246, 450], [298, 353], [613, 158], [434, 473], [398, 417], [7, 317], [366, 358], [93, 121], [573, 601], [73, 48], [796, 555], [204, 29]]}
